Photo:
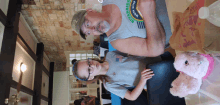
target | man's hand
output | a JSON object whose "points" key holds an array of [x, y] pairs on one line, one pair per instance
{"points": [[147, 7], [146, 74]]}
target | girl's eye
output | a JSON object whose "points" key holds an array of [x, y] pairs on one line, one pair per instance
{"points": [[87, 25]]}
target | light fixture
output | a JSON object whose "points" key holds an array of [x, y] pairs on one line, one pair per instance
{"points": [[13, 100], [23, 67]]}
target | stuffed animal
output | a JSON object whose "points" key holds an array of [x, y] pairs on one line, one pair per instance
{"points": [[193, 67]]}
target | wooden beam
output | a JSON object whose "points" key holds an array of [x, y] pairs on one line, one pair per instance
{"points": [[38, 75], [23, 88], [50, 94], [8, 48], [23, 43], [46, 71], [44, 98]]}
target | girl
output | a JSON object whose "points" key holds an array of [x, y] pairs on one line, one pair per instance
{"points": [[118, 73]]}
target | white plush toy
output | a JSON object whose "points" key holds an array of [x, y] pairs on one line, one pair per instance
{"points": [[193, 68]]}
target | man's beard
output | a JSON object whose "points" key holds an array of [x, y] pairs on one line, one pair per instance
{"points": [[105, 25]]}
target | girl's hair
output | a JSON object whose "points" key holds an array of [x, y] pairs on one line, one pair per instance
{"points": [[100, 77], [73, 61]]}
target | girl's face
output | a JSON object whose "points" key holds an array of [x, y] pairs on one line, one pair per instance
{"points": [[88, 69]]}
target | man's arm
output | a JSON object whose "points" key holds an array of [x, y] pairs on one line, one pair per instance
{"points": [[155, 33], [136, 46]]}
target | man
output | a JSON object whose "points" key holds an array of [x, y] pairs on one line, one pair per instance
{"points": [[132, 26]]}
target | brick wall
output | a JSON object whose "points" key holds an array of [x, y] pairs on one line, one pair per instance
{"points": [[50, 21]]}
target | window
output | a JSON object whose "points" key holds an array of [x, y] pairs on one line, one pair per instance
{"points": [[79, 56]]}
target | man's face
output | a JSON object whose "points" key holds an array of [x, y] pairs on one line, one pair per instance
{"points": [[94, 25]]}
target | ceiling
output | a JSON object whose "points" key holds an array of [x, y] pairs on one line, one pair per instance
{"points": [[50, 21]]}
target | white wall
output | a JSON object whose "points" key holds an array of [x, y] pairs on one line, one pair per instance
{"points": [[22, 94], [46, 62], [2, 27], [21, 56], [61, 88], [4, 8], [45, 80], [43, 102], [26, 35]]}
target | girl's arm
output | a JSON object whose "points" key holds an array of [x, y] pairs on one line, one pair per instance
{"points": [[133, 95]]}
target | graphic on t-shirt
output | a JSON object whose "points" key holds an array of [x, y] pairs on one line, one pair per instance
{"points": [[133, 14], [114, 73], [118, 58]]}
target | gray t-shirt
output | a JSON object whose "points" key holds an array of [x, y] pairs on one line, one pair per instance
{"points": [[132, 22], [125, 71]]}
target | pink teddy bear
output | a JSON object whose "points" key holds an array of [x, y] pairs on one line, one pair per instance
{"points": [[193, 68]]}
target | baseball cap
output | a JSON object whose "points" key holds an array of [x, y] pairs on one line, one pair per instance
{"points": [[77, 21]]}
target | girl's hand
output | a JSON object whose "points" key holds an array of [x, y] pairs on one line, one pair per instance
{"points": [[146, 74], [147, 7], [134, 94]]}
